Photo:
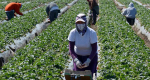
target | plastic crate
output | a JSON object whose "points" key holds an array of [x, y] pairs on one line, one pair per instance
{"points": [[78, 75]]}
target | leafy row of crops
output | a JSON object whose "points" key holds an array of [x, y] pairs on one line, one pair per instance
{"points": [[142, 13], [45, 56], [124, 55], [144, 1], [18, 27]]}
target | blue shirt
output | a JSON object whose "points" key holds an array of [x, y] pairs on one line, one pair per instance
{"points": [[54, 8]]}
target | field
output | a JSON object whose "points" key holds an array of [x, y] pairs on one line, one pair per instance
{"points": [[123, 54]]}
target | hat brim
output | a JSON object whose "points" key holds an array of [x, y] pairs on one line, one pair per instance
{"points": [[80, 20]]}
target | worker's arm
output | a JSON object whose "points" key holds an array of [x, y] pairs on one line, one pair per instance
{"points": [[17, 10], [20, 13], [94, 50], [14, 14], [93, 53], [124, 12], [71, 49], [97, 1], [90, 4]]}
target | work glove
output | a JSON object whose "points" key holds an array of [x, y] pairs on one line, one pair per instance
{"points": [[86, 63], [78, 63]]}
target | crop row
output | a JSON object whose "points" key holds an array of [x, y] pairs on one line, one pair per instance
{"points": [[18, 27], [142, 13], [144, 1], [45, 56], [124, 55]]}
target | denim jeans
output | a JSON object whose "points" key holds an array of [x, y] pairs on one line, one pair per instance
{"points": [[130, 21], [10, 14], [92, 66], [53, 15]]}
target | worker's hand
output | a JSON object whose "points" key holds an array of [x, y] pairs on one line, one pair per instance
{"points": [[78, 63], [86, 63], [49, 21]]}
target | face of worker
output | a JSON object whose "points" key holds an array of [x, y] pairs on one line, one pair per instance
{"points": [[80, 25]]}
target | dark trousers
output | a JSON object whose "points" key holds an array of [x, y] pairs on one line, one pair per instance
{"points": [[94, 16], [10, 14], [131, 21], [52, 14], [92, 66]]}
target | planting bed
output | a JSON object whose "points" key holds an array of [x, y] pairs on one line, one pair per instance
{"points": [[124, 55]]}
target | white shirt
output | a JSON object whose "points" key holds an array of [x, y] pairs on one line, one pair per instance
{"points": [[83, 43]]}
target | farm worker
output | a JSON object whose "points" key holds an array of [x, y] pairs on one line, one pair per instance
{"points": [[83, 46], [11, 8], [130, 13], [93, 4], [52, 11]]}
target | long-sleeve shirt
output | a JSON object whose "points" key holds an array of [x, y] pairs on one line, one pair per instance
{"points": [[130, 12]]}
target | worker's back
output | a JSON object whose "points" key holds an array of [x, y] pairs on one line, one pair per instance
{"points": [[12, 6]]}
